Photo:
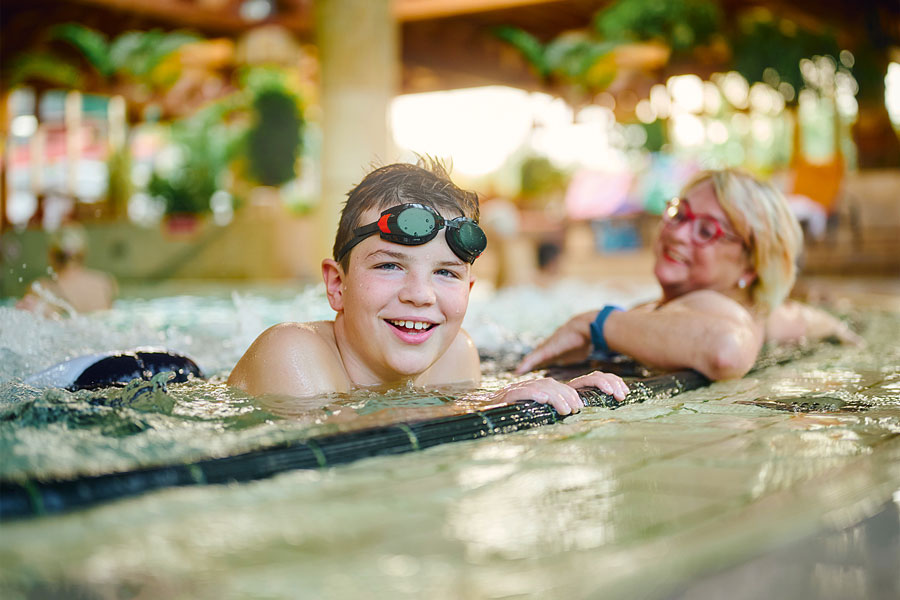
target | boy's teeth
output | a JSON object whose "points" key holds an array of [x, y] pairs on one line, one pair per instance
{"points": [[411, 324]]}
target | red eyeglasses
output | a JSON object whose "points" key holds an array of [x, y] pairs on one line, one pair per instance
{"points": [[705, 229]]}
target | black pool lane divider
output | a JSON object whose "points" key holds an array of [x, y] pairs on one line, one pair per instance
{"points": [[39, 497]]}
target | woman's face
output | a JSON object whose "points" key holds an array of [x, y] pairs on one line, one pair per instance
{"points": [[683, 265]]}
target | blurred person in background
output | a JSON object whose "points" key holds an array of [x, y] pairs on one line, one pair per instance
{"points": [[725, 259], [71, 287]]}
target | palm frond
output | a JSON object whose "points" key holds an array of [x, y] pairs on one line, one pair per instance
{"points": [[529, 46], [92, 45]]}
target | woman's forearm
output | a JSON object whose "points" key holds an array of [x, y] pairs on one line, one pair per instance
{"points": [[678, 337]]}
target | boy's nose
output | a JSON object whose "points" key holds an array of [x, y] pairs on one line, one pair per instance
{"points": [[417, 290]]}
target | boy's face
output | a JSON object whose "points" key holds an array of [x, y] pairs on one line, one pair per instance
{"points": [[401, 306]]}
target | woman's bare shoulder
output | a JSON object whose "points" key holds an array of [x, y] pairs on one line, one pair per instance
{"points": [[711, 302]]}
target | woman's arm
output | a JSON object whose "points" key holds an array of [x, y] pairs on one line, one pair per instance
{"points": [[794, 321], [702, 330]]}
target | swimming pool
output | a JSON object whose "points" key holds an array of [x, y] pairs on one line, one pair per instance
{"points": [[643, 501]]}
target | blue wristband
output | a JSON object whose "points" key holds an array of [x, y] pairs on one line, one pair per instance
{"points": [[597, 338]]}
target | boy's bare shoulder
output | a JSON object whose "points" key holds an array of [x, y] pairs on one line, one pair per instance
{"points": [[289, 334], [295, 359]]}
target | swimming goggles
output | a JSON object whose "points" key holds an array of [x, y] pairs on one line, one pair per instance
{"points": [[705, 229], [416, 224]]}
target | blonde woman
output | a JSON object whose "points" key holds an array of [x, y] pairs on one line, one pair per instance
{"points": [[726, 261]]}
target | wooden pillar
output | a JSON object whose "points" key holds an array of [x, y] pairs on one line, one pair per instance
{"points": [[358, 53]]}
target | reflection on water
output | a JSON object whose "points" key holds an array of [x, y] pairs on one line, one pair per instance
{"points": [[643, 501]]}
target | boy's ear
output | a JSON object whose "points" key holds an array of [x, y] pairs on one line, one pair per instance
{"points": [[333, 275], [471, 280]]}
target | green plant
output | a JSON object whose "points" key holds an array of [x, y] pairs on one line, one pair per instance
{"points": [[571, 55], [765, 41], [275, 140], [680, 24], [584, 58], [540, 181], [204, 148], [132, 56]]}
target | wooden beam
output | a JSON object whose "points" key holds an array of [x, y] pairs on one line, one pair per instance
{"points": [[420, 10], [294, 15]]}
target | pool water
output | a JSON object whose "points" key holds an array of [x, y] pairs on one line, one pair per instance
{"points": [[668, 498]]}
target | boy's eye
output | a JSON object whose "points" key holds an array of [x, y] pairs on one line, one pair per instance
{"points": [[448, 273], [387, 266]]}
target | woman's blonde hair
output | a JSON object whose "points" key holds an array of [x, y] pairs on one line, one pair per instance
{"points": [[761, 216]]}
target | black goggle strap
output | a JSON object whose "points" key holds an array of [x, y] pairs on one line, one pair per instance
{"points": [[389, 229]]}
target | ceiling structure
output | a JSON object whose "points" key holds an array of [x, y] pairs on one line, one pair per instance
{"points": [[445, 43]]}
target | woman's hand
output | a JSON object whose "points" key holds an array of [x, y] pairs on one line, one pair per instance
{"points": [[562, 397], [570, 343]]}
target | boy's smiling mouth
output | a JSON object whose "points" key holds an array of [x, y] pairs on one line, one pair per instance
{"points": [[412, 327], [412, 332]]}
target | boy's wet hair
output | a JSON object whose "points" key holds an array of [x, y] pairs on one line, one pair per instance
{"points": [[426, 182]]}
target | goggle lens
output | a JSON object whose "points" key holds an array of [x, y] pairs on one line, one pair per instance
{"points": [[416, 222], [467, 239]]}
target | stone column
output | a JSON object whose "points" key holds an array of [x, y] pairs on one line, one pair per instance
{"points": [[358, 53]]}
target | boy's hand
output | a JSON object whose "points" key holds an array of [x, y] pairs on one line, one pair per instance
{"points": [[564, 398], [605, 382]]}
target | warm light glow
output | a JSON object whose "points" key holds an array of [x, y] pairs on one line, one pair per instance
{"points": [[717, 132], [659, 99], [477, 128], [480, 129], [686, 92], [688, 130], [585, 144], [735, 89], [762, 128], [892, 92], [644, 111], [712, 98], [24, 126]]}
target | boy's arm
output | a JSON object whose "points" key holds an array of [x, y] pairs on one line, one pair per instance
{"points": [[291, 359], [459, 364]]}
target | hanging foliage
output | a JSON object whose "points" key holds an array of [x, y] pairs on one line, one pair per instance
{"points": [[275, 140], [765, 41], [680, 24]]}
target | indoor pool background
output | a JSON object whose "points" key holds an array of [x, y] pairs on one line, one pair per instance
{"points": [[732, 489]]}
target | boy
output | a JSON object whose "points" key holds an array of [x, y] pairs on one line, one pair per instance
{"points": [[400, 298]]}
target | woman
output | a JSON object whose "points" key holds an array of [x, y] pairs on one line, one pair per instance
{"points": [[72, 288], [725, 259]]}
